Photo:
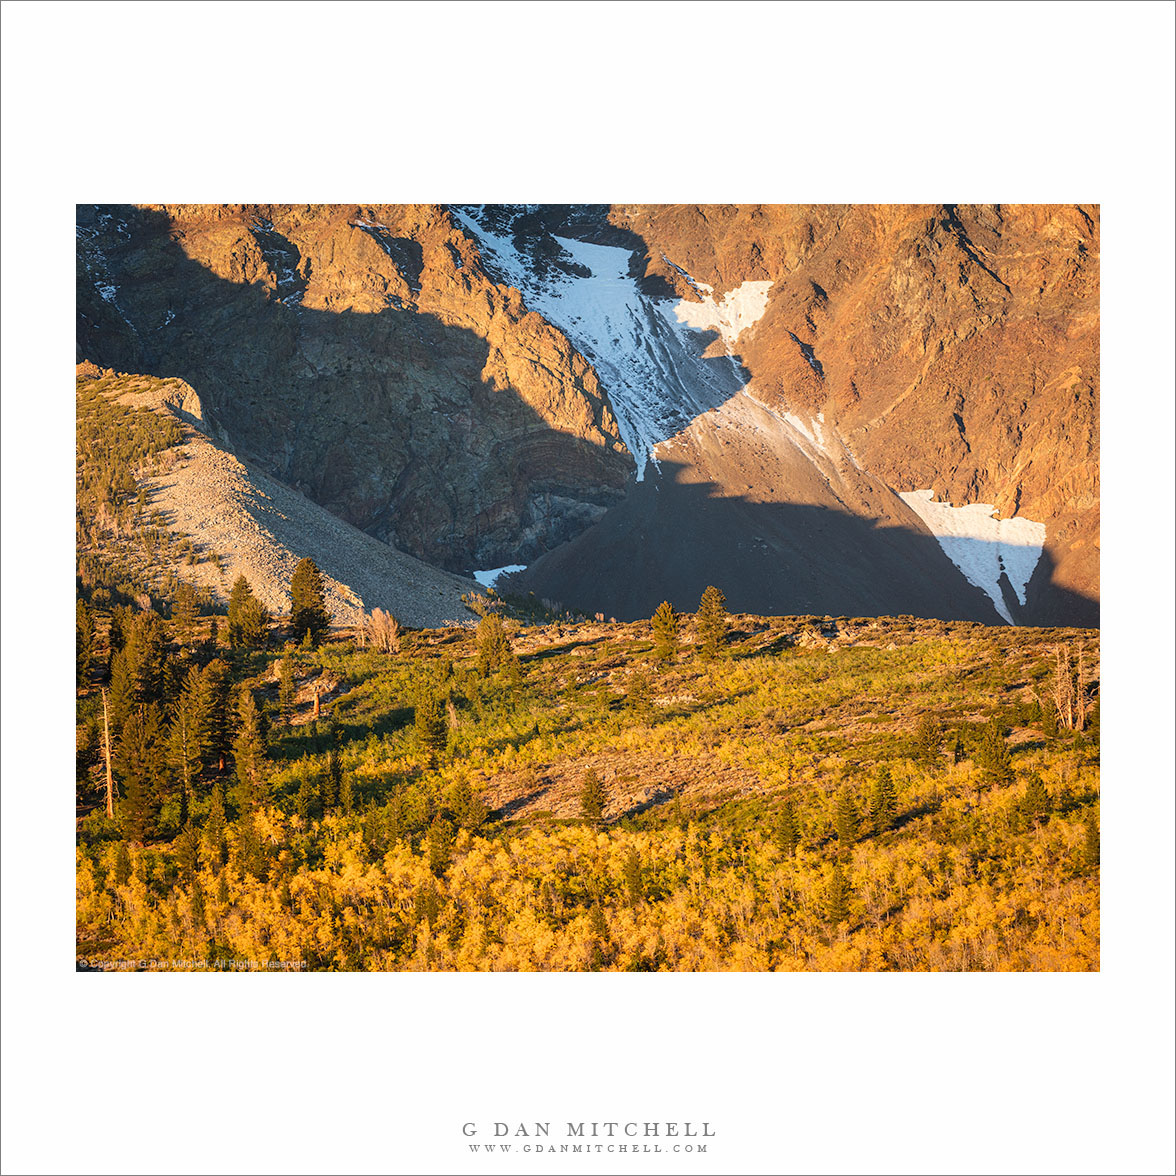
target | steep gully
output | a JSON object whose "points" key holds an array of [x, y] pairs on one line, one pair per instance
{"points": [[674, 393]]}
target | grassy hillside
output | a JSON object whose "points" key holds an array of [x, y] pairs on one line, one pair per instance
{"points": [[432, 817]]}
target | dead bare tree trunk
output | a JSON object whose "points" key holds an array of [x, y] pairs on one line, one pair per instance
{"points": [[1083, 686], [106, 742], [1063, 688]]}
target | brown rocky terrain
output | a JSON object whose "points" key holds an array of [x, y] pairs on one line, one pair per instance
{"points": [[362, 356], [380, 361], [953, 347], [243, 522]]}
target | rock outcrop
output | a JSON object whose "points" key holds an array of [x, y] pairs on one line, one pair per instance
{"points": [[392, 364], [362, 356], [953, 347]]}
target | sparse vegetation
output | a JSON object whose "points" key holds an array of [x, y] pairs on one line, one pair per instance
{"points": [[775, 808]]}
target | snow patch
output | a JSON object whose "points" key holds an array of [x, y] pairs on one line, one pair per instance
{"points": [[648, 358], [981, 545], [739, 309], [489, 577]]}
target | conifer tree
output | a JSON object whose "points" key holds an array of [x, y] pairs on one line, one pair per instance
{"points": [[239, 594], [441, 834], [1049, 718], [249, 753], [331, 782], [837, 897], [308, 610], [216, 689], [712, 622], [141, 766], [846, 819], [665, 631], [632, 875], [84, 642], [251, 857], [928, 738], [184, 615], [305, 792], [1036, 802], [346, 794], [959, 753], [139, 670], [1091, 849], [994, 759], [592, 797], [252, 624], [122, 864], [431, 725], [286, 688], [883, 800], [190, 736], [788, 828], [216, 848], [637, 698], [493, 644]]}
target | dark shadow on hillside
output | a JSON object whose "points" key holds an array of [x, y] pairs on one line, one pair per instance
{"points": [[332, 403], [669, 539], [680, 380]]}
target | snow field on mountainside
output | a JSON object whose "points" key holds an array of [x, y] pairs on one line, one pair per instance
{"points": [[981, 545]]}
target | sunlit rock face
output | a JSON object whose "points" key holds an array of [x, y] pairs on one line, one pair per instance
{"points": [[634, 401], [363, 356]]}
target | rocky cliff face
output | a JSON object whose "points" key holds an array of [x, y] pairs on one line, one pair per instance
{"points": [[479, 385], [953, 347], [362, 356]]}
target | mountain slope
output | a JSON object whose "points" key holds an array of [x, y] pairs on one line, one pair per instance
{"points": [[805, 389], [236, 520]]}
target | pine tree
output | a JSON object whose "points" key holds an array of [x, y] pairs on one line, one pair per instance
{"points": [[240, 593], [251, 856], [305, 793], [665, 631], [84, 643], [253, 620], [928, 738], [122, 864], [190, 737], [346, 794], [216, 689], [308, 611], [493, 645], [846, 819], [185, 615], [637, 698], [837, 897], [286, 688], [1049, 719], [1091, 850], [959, 753], [216, 848], [249, 753], [788, 828], [994, 759], [883, 800], [712, 622], [1035, 804], [140, 762], [331, 782], [632, 875], [138, 672], [431, 725], [441, 835], [592, 797]]}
